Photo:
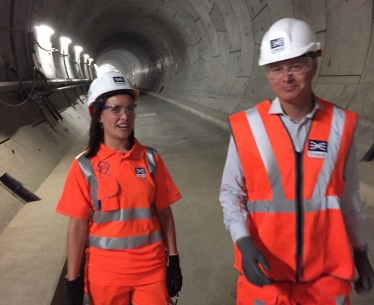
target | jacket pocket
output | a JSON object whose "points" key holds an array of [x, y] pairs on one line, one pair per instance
{"points": [[108, 194], [251, 294], [334, 288]]}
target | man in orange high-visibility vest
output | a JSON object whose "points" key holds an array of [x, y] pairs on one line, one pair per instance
{"points": [[290, 185]]}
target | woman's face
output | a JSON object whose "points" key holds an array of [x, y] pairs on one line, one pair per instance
{"points": [[117, 118]]}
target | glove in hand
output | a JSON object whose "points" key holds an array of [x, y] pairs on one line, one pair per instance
{"points": [[74, 292], [364, 283], [173, 276], [251, 257]]}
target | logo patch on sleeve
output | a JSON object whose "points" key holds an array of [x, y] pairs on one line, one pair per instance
{"points": [[119, 80], [317, 149], [276, 45], [140, 172]]}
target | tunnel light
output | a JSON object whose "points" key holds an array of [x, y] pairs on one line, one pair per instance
{"points": [[43, 49], [44, 30], [86, 57], [78, 51], [65, 44], [43, 36]]}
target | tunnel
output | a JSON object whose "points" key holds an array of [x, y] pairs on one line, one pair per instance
{"points": [[194, 61]]}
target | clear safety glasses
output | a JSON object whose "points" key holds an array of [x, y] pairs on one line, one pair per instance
{"points": [[119, 110], [298, 66]]}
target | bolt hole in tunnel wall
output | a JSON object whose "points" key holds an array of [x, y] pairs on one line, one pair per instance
{"points": [[201, 54]]}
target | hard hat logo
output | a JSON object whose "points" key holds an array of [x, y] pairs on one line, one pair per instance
{"points": [[119, 80], [277, 45]]}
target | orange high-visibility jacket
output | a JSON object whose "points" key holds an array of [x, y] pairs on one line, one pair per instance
{"points": [[293, 198]]}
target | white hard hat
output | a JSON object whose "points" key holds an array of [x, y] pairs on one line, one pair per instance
{"points": [[108, 82], [287, 38]]}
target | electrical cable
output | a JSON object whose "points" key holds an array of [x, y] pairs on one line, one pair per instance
{"points": [[22, 103], [51, 50], [31, 92], [13, 47]]}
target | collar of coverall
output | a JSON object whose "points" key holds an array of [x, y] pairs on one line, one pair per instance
{"points": [[135, 152], [276, 108]]}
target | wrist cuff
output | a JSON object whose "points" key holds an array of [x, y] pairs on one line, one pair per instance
{"points": [[363, 248]]}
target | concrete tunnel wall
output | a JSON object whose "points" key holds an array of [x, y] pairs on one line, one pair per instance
{"points": [[201, 53]]}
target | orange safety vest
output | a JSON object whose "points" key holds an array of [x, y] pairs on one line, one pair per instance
{"points": [[294, 198]]}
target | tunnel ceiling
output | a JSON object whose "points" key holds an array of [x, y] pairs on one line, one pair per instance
{"points": [[149, 30]]}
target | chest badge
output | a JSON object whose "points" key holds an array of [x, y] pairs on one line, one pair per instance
{"points": [[140, 172], [317, 149], [103, 167]]}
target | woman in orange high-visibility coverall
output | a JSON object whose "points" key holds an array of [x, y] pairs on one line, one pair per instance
{"points": [[118, 195]]}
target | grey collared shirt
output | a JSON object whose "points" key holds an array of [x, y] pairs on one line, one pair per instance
{"points": [[233, 196]]}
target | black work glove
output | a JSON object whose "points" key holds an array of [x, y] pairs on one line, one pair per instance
{"points": [[364, 283], [251, 256], [74, 291], [173, 276]]}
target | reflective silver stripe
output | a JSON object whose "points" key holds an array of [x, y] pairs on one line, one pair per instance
{"points": [[258, 302], [285, 206], [329, 162], [151, 156], [123, 215], [340, 300], [125, 242], [88, 172], [267, 154]]}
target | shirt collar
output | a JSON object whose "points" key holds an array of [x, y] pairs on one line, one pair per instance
{"points": [[135, 151], [276, 108]]}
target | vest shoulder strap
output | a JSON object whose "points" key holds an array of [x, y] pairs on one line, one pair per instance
{"points": [[151, 160]]}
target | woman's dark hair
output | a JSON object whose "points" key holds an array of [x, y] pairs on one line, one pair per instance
{"points": [[96, 134]]}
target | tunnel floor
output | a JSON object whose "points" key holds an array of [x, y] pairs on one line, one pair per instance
{"points": [[194, 152]]}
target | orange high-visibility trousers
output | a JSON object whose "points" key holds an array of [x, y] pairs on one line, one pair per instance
{"points": [[150, 294], [326, 290]]}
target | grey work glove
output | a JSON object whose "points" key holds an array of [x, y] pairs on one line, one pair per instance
{"points": [[364, 283], [251, 257]]}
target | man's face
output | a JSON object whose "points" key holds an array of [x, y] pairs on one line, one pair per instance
{"points": [[291, 79]]}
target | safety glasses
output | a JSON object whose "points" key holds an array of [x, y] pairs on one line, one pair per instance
{"points": [[298, 66], [119, 110]]}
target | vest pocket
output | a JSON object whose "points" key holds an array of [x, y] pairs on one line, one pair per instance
{"points": [[108, 193]]}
